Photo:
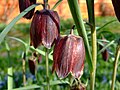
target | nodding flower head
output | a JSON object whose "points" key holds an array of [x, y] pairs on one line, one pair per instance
{"points": [[32, 65], [69, 56], [105, 53], [116, 5], [23, 4], [44, 28]]}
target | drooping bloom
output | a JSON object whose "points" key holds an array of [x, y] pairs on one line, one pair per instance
{"points": [[68, 56], [32, 66], [44, 28], [116, 5], [79, 86], [23, 4], [105, 53]]}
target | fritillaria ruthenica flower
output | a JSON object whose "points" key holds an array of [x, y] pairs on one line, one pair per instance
{"points": [[116, 5], [32, 65], [23, 4], [68, 56], [78, 86], [44, 28], [105, 53], [32, 62]]}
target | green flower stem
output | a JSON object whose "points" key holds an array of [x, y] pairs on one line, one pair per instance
{"points": [[10, 71], [94, 59], [45, 4], [90, 6], [23, 68], [12, 23], [47, 68], [10, 78], [115, 66], [76, 14]]}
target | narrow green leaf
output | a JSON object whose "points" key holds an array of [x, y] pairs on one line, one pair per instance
{"points": [[76, 14], [27, 87], [41, 52], [57, 82], [101, 41], [7, 46], [100, 29], [59, 1], [109, 44], [11, 24], [10, 78], [19, 40], [27, 45], [116, 62], [91, 15]]}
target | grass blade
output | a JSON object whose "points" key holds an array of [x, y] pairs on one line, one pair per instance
{"points": [[76, 13], [110, 43], [115, 66], [57, 82], [59, 1], [27, 45], [28, 87], [11, 24]]}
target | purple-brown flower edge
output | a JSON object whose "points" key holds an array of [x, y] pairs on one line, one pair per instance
{"points": [[32, 66], [116, 5], [105, 53], [23, 4], [44, 28], [68, 56]]}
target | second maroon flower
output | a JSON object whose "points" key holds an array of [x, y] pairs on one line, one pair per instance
{"points": [[116, 5], [69, 55], [44, 28], [23, 4]]}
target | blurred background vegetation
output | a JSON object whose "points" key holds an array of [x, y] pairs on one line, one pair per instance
{"points": [[21, 31]]}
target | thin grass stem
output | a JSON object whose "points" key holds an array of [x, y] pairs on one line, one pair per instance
{"points": [[47, 68], [10, 69], [115, 66], [91, 16]]}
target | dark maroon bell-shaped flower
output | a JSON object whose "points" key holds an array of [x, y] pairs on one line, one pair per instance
{"points": [[116, 5], [23, 4], [105, 53], [68, 56], [44, 28], [32, 66], [78, 87]]}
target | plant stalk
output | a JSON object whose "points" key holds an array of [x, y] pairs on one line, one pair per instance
{"points": [[45, 3], [10, 78], [76, 14], [23, 68], [47, 68], [10, 71], [94, 59], [115, 66], [91, 16]]}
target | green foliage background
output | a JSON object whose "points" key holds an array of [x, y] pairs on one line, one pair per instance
{"points": [[21, 31]]}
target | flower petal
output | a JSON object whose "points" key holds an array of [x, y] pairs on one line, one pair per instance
{"points": [[50, 30], [68, 56], [44, 29], [78, 57], [32, 66], [23, 4], [116, 5], [35, 30]]}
